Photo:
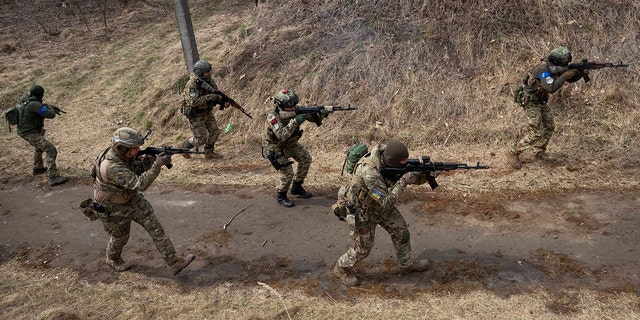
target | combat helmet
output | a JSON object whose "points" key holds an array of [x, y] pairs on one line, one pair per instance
{"points": [[126, 138], [394, 153], [200, 67], [37, 91], [560, 56], [286, 99]]}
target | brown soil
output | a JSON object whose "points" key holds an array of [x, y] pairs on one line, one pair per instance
{"points": [[505, 244]]}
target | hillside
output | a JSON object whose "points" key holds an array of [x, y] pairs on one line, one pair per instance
{"points": [[438, 75]]}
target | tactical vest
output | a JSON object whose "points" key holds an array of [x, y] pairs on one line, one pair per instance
{"points": [[104, 191]]}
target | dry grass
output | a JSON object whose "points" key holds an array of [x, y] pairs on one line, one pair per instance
{"points": [[62, 293], [435, 74]]}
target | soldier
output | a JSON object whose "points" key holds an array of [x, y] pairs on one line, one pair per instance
{"points": [[370, 198], [31, 129], [547, 77], [199, 103], [281, 143], [119, 177]]}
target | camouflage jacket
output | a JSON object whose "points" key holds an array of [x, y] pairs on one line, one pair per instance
{"points": [[282, 130], [117, 180], [199, 98], [33, 114], [368, 189], [543, 80]]}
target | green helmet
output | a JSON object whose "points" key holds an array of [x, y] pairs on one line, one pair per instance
{"points": [[286, 99], [37, 91], [200, 67], [394, 153], [127, 137], [560, 56]]}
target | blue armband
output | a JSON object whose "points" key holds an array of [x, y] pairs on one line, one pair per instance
{"points": [[43, 110]]}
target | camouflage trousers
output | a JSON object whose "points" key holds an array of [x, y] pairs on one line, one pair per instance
{"points": [[302, 156], [41, 146], [362, 228], [117, 223], [540, 119], [205, 131]]}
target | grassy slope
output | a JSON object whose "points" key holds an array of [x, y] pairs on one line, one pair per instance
{"points": [[438, 76]]}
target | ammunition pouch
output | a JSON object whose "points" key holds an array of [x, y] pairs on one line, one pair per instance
{"points": [[517, 95], [277, 161], [295, 136], [188, 111], [91, 210]]}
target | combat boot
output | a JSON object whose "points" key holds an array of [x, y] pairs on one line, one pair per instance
{"points": [[186, 144], [415, 266], [37, 171], [118, 265], [346, 276], [513, 158], [57, 180], [298, 190], [283, 200], [181, 263]]}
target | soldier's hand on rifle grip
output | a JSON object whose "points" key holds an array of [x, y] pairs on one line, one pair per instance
{"points": [[572, 75], [414, 178], [301, 118], [214, 98], [163, 159]]}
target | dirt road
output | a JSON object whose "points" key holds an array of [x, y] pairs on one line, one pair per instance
{"points": [[557, 241]]}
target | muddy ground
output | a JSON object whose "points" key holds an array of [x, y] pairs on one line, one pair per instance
{"points": [[505, 244]]}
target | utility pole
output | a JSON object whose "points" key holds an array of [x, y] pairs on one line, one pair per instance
{"points": [[187, 37]]}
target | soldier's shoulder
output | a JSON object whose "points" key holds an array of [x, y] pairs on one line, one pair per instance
{"points": [[540, 68]]}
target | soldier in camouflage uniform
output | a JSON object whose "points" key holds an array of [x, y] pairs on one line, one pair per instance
{"points": [[199, 103], [119, 177], [31, 129], [370, 198], [546, 78], [281, 143]]}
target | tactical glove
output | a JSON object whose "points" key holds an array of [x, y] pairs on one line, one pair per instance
{"points": [[301, 118], [163, 159], [414, 178]]}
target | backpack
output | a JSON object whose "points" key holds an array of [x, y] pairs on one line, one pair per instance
{"points": [[12, 114], [355, 153]]}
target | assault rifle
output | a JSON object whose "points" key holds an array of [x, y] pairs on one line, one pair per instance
{"points": [[587, 65], [425, 167], [57, 110], [225, 98], [315, 111], [154, 151]]}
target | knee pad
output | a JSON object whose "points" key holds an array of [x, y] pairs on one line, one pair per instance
{"points": [[405, 236], [52, 153]]}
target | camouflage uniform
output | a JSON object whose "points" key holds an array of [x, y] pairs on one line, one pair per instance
{"points": [[281, 141], [372, 199], [117, 184], [202, 122], [31, 129], [544, 79]]}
